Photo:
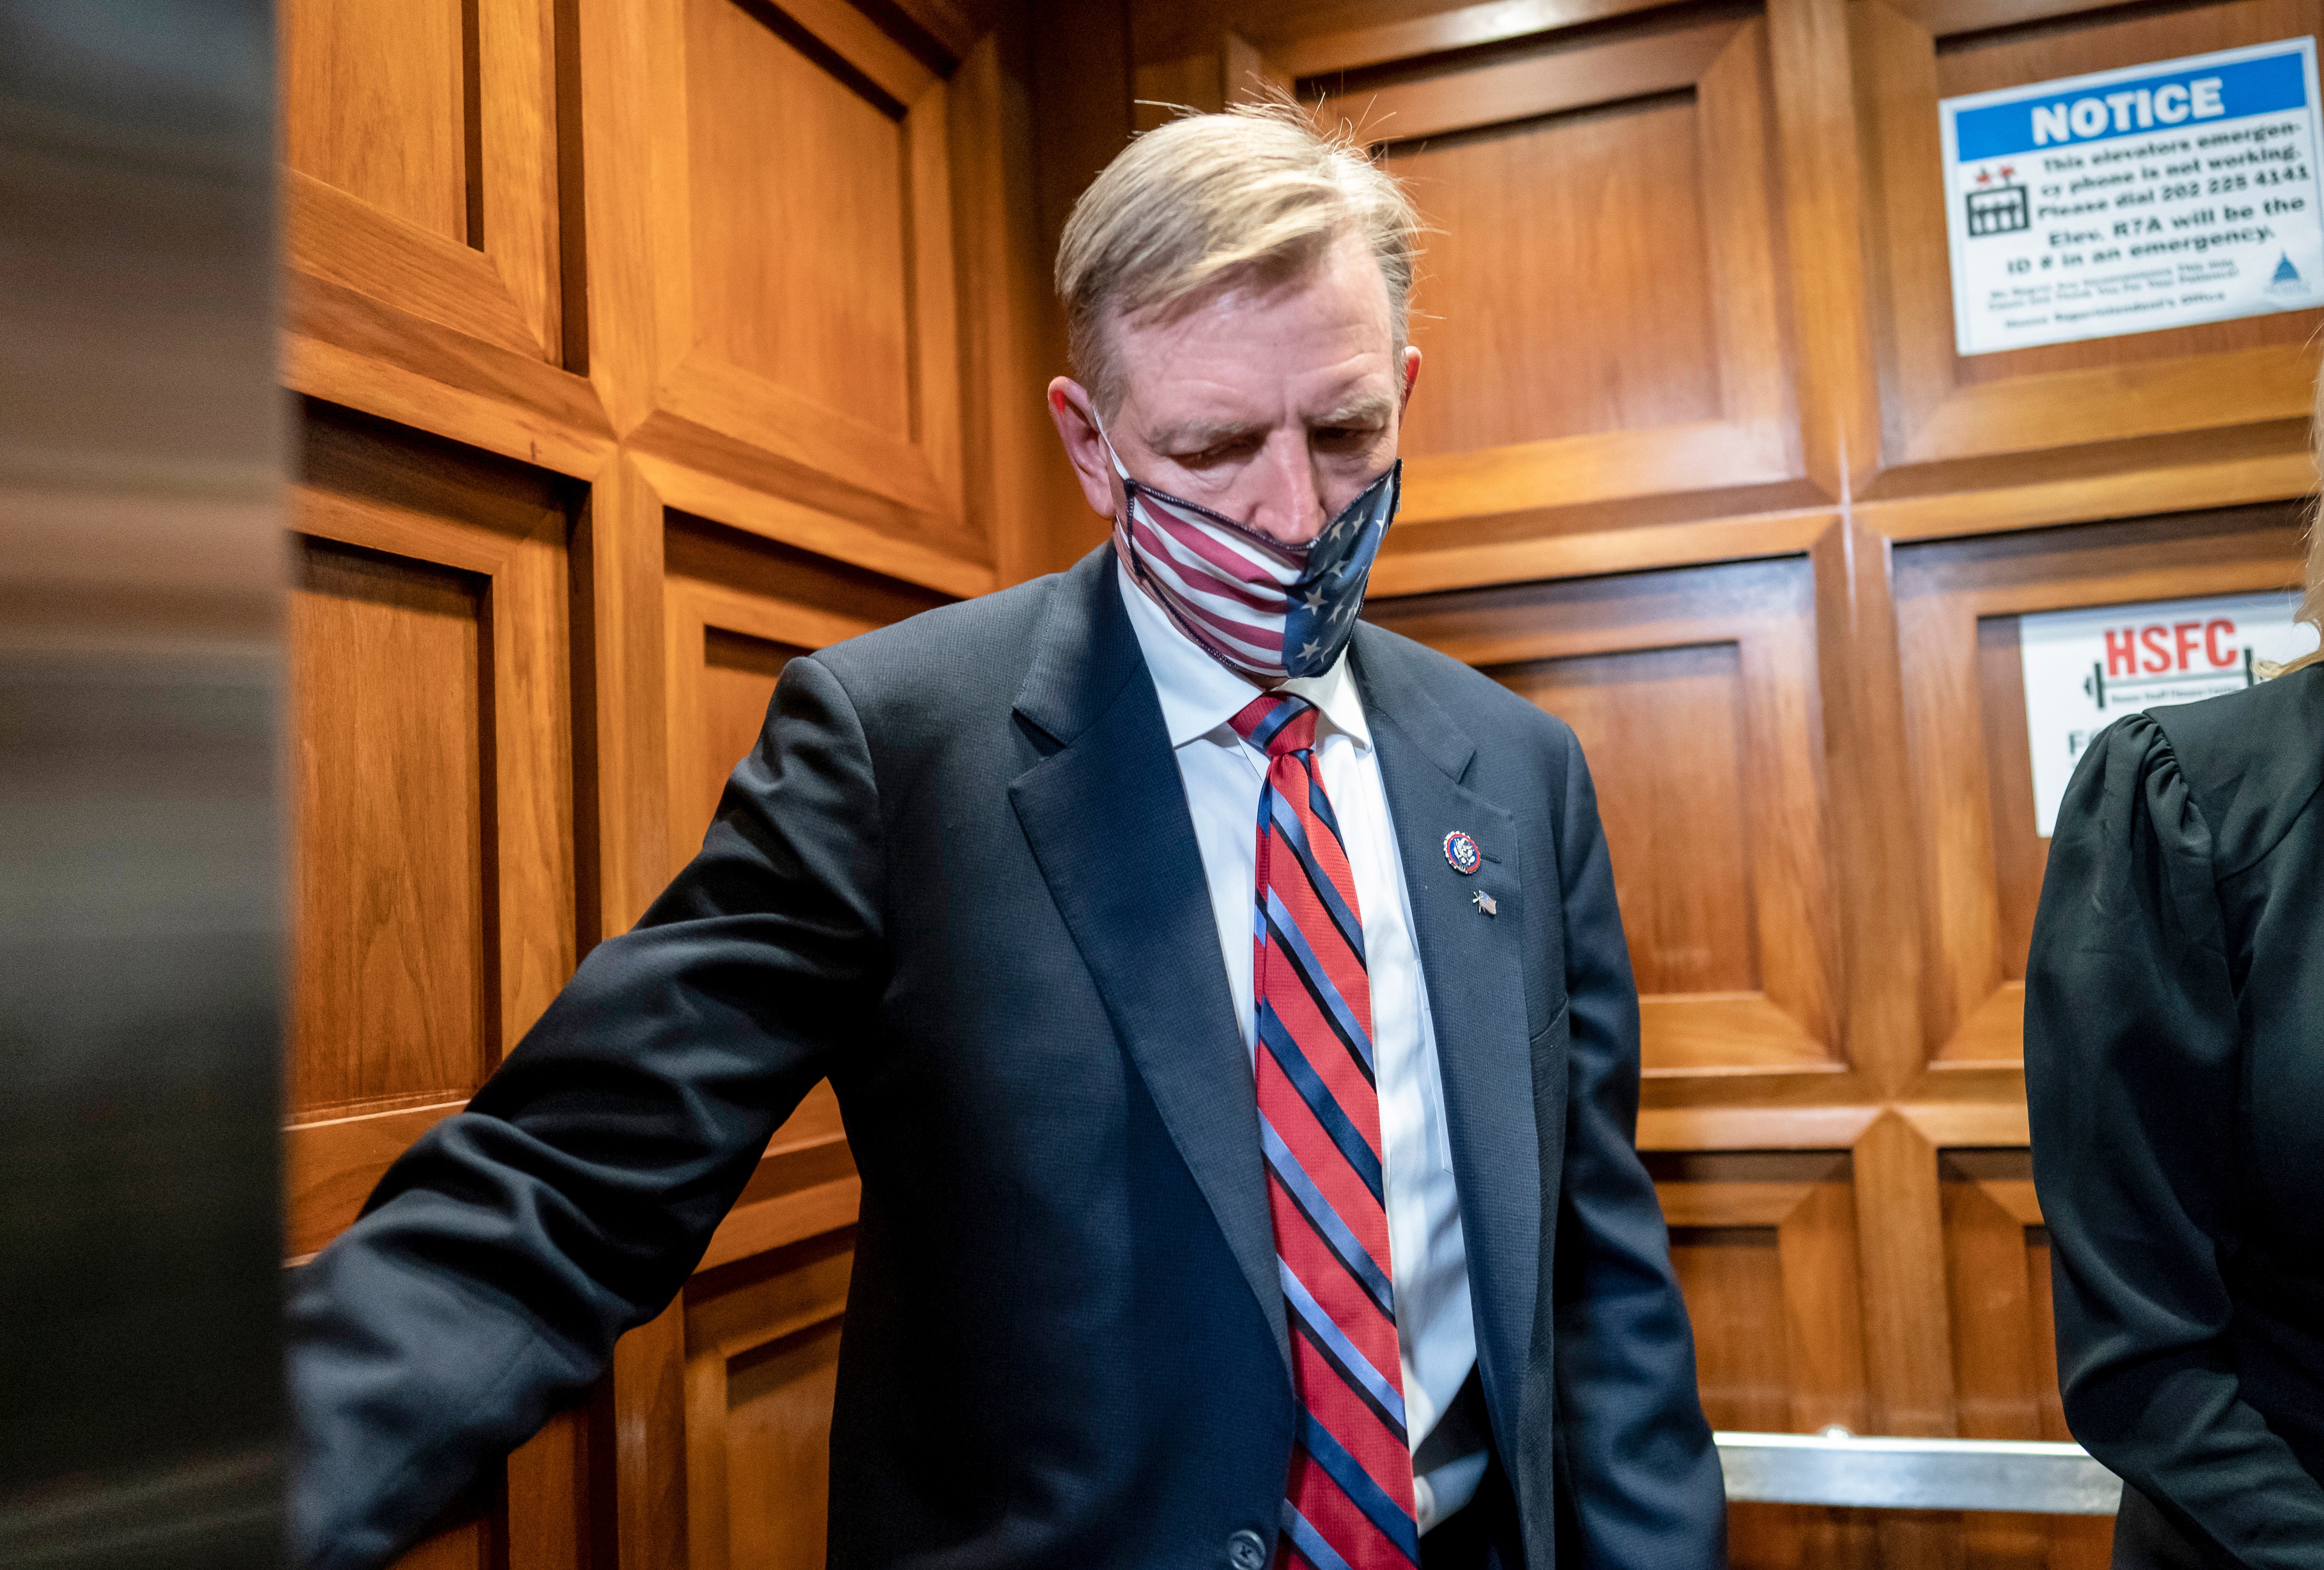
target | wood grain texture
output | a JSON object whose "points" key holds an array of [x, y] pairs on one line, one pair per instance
{"points": [[1818, 140], [830, 319], [1351, 47], [425, 166], [785, 336], [393, 988], [1552, 82], [1718, 844], [1674, 817], [1942, 407], [375, 106], [1513, 353], [429, 672], [761, 1344], [1600, 297], [1692, 463], [1963, 702], [2005, 1348]]}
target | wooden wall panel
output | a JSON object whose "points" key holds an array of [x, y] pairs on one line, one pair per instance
{"points": [[1943, 408], [792, 327], [1764, 1246], [761, 1363], [392, 997], [831, 321], [1957, 603], [1532, 226], [1694, 465], [715, 259], [1604, 282], [2005, 1352], [434, 865], [431, 216], [379, 101], [1718, 843]]}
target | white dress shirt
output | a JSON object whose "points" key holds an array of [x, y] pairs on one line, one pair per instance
{"points": [[1428, 1263]]}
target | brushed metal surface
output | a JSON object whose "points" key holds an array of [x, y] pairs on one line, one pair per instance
{"points": [[140, 456], [1884, 1473]]}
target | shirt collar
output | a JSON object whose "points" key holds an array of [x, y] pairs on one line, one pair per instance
{"points": [[1199, 695]]}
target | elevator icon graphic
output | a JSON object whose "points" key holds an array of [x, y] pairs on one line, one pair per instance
{"points": [[2004, 209]]}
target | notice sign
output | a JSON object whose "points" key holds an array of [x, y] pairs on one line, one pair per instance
{"points": [[2125, 201], [2086, 669]]}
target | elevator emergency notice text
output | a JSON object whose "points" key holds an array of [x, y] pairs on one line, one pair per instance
{"points": [[2156, 196]]}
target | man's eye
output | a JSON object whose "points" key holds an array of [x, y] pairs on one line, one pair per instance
{"points": [[1343, 436], [1216, 452]]}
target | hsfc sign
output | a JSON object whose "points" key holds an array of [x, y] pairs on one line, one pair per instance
{"points": [[2085, 669], [2162, 648]]}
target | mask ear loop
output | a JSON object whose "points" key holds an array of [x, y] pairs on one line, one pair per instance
{"points": [[1108, 440]]}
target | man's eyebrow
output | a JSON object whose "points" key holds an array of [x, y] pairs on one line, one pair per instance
{"points": [[1372, 408], [1196, 436]]}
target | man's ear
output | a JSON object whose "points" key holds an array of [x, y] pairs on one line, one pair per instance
{"points": [[1069, 408], [1411, 374]]}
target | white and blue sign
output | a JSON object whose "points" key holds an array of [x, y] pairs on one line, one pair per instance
{"points": [[2130, 200]]}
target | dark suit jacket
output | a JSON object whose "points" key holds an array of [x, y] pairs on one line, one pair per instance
{"points": [[958, 876]]}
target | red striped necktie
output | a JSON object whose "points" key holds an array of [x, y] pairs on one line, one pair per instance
{"points": [[1348, 1502]]}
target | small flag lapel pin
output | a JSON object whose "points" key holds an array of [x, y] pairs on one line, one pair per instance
{"points": [[1484, 902]]}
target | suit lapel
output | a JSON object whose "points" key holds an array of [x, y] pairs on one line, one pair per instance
{"points": [[1476, 1000], [1106, 816]]}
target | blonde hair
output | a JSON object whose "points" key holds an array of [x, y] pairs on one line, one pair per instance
{"points": [[2311, 603], [1208, 200]]}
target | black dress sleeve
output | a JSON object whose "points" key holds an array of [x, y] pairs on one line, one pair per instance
{"points": [[503, 1253], [2134, 1065]]}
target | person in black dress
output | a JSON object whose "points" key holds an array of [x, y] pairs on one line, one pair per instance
{"points": [[2174, 1068]]}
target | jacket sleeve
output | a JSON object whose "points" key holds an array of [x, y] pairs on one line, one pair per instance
{"points": [[500, 1257], [2134, 1065], [1640, 1480]]}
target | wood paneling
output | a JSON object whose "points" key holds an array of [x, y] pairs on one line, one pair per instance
{"points": [[1718, 843], [2004, 1347], [790, 325], [435, 270], [1765, 1249], [1964, 706], [753, 276], [1674, 818], [1601, 285], [1694, 464], [829, 320], [1944, 408], [379, 101], [1521, 209], [432, 741], [392, 997], [761, 1363]]}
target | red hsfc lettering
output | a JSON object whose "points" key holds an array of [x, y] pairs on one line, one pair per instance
{"points": [[2170, 646], [2185, 631]]}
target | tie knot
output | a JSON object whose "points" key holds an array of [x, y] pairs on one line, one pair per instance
{"points": [[1277, 723]]}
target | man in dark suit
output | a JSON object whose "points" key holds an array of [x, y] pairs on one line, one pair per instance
{"points": [[1227, 1001]]}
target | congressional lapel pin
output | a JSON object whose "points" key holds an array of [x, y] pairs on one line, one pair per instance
{"points": [[1484, 902], [1462, 852]]}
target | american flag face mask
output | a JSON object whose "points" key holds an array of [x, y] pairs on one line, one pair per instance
{"points": [[1257, 606]]}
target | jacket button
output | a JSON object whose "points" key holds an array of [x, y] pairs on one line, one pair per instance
{"points": [[1246, 1552]]}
